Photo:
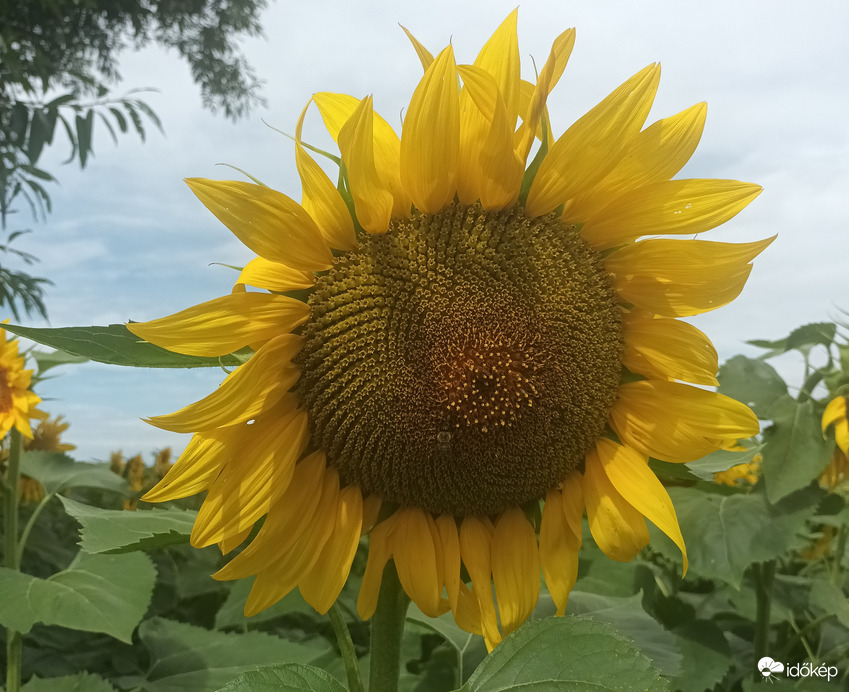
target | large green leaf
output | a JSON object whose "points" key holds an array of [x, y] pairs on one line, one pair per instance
{"points": [[57, 471], [290, 677], [97, 593], [84, 682], [117, 531], [468, 648], [629, 619], [751, 381], [116, 345], [727, 533], [185, 658], [706, 653], [568, 653], [794, 451]]}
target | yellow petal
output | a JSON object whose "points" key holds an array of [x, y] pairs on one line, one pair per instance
{"points": [[268, 222], [573, 504], [488, 169], [558, 551], [550, 74], [371, 511], [450, 541], [676, 422], [618, 529], [273, 276], [198, 465], [664, 348], [630, 474], [228, 545], [379, 553], [252, 479], [322, 585], [656, 154], [415, 558], [372, 200], [425, 56], [476, 551], [245, 393], [677, 278], [467, 614], [223, 325], [293, 565], [526, 93], [836, 414], [668, 207], [288, 517], [499, 57], [321, 199], [335, 110], [594, 145], [515, 568], [431, 135]]}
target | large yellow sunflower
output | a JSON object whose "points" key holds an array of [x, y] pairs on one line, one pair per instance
{"points": [[17, 402], [471, 335]]}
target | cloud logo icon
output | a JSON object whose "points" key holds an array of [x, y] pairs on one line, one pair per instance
{"points": [[768, 666]]}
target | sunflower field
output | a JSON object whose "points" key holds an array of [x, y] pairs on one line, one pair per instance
{"points": [[465, 438]]}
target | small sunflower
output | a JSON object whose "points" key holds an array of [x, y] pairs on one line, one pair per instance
{"points": [[17, 402], [488, 335], [837, 414]]}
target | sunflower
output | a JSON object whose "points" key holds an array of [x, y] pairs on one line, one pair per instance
{"points": [[457, 350], [17, 402], [837, 414]]}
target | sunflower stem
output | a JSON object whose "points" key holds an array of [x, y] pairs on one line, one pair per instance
{"points": [[346, 647], [387, 628], [13, 476], [764, 575]]}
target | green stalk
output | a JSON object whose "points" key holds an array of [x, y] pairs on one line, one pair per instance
{"points": [[346, 647], [387, 628], [13, 476], [764, 576]]}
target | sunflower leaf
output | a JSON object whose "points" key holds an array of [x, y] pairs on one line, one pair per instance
{"points": [[568, 653], [185, 657], [287, 676], [794, 451], [82, 682], [117, 531], [116, 345], [57, 471], [753, 382], [725, 533], [97, 593]]}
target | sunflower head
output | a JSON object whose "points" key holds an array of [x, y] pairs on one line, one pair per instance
{"points": [[17, 402], [457, 332]]}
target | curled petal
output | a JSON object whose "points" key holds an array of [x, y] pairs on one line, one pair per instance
{"points": [[618, 529], [630, 474], [678, 278], [676, 422], [664, 348]]}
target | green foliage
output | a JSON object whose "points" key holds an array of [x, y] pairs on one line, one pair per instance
{"points": [[289, 677], [565, 654], [116, 345], [116, 531], [768, 575], [71, 48], [97, 593]]}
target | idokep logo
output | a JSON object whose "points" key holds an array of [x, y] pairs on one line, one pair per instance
{"points": [[770, 668]]}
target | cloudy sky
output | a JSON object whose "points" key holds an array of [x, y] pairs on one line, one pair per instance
{"points": [[127, 240]]}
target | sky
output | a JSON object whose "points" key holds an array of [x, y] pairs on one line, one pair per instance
{"points": [[128, 240]]}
